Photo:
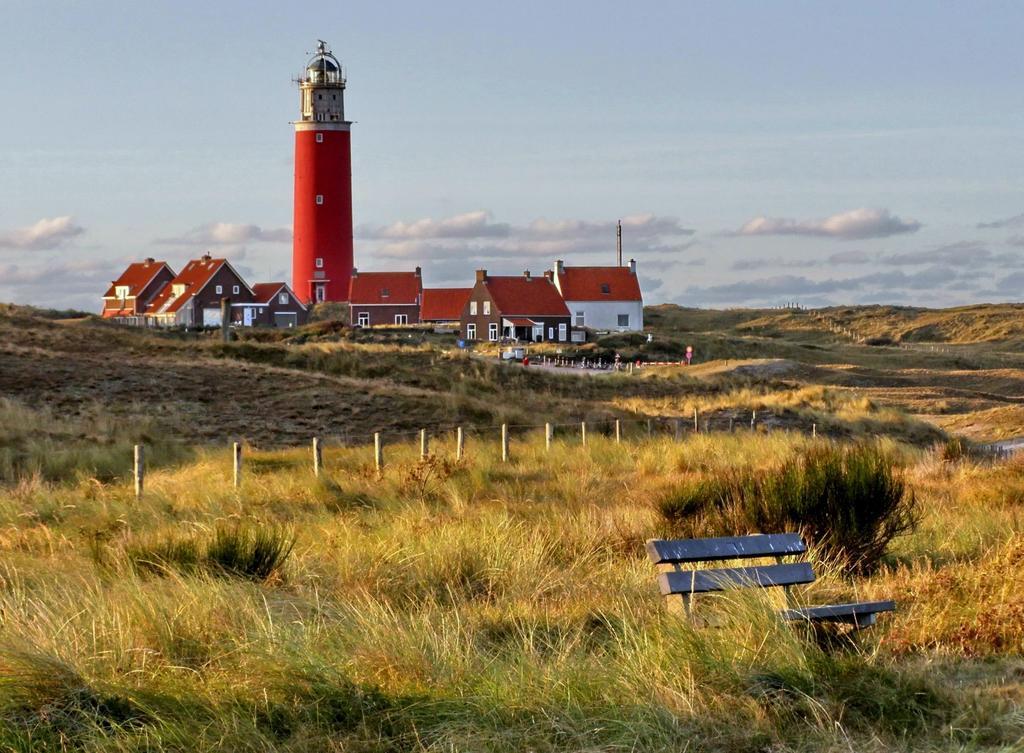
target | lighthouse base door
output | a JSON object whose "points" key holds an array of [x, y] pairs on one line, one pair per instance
{"points": [[211, 317]]}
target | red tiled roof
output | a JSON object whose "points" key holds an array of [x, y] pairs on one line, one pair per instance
{"points": [[522, 296], [587, 284], [194, 277], [396, 288], [136, 277], [264, 292], [443, 304]]}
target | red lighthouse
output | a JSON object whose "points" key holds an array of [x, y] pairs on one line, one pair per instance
{"points": [[322, 233]]}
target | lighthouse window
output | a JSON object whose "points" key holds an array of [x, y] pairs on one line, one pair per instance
{"points": [[319, 263], [319, 138], [319, 198]]}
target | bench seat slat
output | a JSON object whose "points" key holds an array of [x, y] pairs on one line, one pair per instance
{"points": [[702, 581], [861, 614], [670, 552]]}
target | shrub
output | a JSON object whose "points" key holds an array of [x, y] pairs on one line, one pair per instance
{"points": [[243, 551], [850, 503]]}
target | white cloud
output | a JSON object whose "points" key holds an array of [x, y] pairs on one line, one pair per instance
{"points": [[43, 235], [474, 239], [228, 233], [1016, 221], [853, 225], [469, 225]]}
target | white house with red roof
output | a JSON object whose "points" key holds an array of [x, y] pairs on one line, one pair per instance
{"points": [[129, 296], [377, 298], [603, 298]]}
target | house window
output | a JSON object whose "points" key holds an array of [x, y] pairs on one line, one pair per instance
{"points": [[261, 309], [178, 289], [283, 299], [472, 308], [471, 331], [605, 289], [319, 138], [121, 291], [219, 289], [623, 320], [561, 332], [319, 198], [384, 292], [234, 290], [492, 332], [364, 319], [401, 318], [551, 333], [581, 317]]}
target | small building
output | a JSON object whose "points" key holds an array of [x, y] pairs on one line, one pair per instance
{"points": [[378, 298], [275, 305], [443, 306], [522, 307], [130, 295], [605, 298], [193, 297]]}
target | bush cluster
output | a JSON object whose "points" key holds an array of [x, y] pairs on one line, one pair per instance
{"points": [[850, 502]]}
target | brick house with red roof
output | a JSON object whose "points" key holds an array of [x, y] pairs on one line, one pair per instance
{"points": [[277, 305], [193, 297], [604, 298], [444, 305], [376, 298], [521, 308], [130, 295]]}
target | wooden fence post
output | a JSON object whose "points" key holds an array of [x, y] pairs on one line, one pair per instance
{"points": [[424, 450], [236, 453], [140, 469], [753, 417], [650, 427], [618, 431], [814, 431], [225, 320], [504, 443], [548, 434], [583, 433], [318, 458], [460, 443], [378, 452], [695, 429]]}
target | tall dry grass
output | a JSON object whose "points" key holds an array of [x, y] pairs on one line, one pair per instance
{"points": [[497, 607]]}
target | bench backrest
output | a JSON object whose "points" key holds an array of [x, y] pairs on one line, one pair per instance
{"points": [[725, 548], [729, 548]]}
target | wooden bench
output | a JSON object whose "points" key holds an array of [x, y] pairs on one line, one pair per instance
{"points": [[689, 583]]}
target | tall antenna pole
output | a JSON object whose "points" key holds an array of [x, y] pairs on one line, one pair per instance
{"points": [[618, 241]]}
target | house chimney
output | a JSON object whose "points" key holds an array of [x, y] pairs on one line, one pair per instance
{"points": [[549, 275], [206, 256], [481, 275], [632, 266], [526, 274], [355, 272], [150, 260], [419, 272], [559, 267]]}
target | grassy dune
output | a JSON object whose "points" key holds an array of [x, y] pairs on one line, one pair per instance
{"points": [[484, 606]]}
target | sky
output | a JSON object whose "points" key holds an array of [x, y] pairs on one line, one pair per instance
{"points": [[758, 153]]}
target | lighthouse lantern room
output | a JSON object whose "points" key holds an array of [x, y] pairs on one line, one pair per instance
{"points": [[322, 234]]}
